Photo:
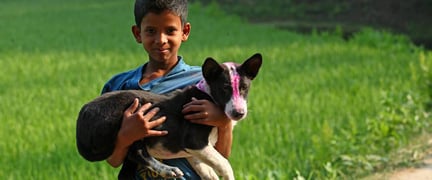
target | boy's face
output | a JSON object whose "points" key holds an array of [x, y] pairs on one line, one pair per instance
{"points": [[161, 35]]}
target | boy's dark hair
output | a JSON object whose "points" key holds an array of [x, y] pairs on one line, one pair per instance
{"points": [[142, 7]]}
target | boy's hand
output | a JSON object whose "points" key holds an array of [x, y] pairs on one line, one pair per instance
{"points": [[137, 125], [205, 112]]}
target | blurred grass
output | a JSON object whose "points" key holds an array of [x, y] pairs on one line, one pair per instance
{"points": [[312, 107]]}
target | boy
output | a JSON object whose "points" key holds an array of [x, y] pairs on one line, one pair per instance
{"points": [[161, 27]]}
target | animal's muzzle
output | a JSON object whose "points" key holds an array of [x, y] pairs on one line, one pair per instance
{"points": [[237, 114]]}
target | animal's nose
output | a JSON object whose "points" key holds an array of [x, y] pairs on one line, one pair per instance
{"points": [[236, 115]]}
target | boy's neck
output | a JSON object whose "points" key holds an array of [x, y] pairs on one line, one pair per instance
{"points": [[154, 70]]}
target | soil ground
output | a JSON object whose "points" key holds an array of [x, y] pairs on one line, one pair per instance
{"points": [[419, 169], [423, 172]]}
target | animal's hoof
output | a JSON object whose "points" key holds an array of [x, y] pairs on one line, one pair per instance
{"points": [[171, 172]]}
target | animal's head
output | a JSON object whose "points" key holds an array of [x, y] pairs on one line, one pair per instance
{"points": [[229, 83]]}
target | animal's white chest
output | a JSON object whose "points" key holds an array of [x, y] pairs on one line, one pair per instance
{"points": [[158, 151], [213, 137]]}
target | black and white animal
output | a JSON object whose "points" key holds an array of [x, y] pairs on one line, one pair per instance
{"points": [[224, 84]]}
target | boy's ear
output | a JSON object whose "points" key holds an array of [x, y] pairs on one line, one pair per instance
{"points": [[186, 31], [136, 31]]}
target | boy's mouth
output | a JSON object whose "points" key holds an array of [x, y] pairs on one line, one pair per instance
{"points": [[161, 51]]}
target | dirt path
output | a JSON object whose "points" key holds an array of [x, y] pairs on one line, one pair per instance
{"points": [[422, 172]]}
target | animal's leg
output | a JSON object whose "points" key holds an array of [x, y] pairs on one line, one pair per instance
{"points": [[202, 169], [213, 158], [139, 155]]}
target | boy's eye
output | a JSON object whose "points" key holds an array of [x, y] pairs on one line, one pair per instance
{"points": [[150, 31], [171, 31]]}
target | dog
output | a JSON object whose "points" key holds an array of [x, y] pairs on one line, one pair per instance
{"points": [[226, 85]]}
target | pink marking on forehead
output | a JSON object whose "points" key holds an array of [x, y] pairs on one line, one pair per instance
{"points": [[232, 67], [235, 83], [235, 77]]}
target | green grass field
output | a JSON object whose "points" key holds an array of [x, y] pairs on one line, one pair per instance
{"points": [[321, 107]]}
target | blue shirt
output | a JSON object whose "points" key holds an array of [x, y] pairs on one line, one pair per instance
{"points": [[179, 77]]}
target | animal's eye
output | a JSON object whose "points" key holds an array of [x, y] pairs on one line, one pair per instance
{"points": [[244, 86], [227, 86]]}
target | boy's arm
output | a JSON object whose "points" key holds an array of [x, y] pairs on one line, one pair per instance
{"points": [[224, 143], [205, 112], [135, 125], [119, 154]]}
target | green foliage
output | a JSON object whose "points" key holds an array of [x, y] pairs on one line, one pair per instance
{"points": [[381, 39], [281, 9], [321, 107], [425, 77], [408, 17]]}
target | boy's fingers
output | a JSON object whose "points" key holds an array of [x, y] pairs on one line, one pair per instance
{"points": [[157, 122], [196, 116], [157, 133], [132, 107], [149, 115], [193, 101], [193, 108], [145, 107], [197, 121]]}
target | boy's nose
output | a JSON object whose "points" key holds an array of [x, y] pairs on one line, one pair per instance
{"points": [[161, 39]]}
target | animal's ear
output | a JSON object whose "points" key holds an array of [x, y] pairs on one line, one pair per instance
{"points": [[211, 69], [252, 65]]}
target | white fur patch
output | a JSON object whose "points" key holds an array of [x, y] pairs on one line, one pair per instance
{"points": [[213, 158], [158, 151], [237, 102], [213, 137]]}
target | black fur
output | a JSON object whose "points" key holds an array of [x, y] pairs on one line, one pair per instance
{"points": [[99, 120], [108, 110]]}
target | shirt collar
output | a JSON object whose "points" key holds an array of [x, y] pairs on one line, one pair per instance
{"points": [[179, 67]]}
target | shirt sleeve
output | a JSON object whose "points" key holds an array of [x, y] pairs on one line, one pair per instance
{"points": [[123, 81]]}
